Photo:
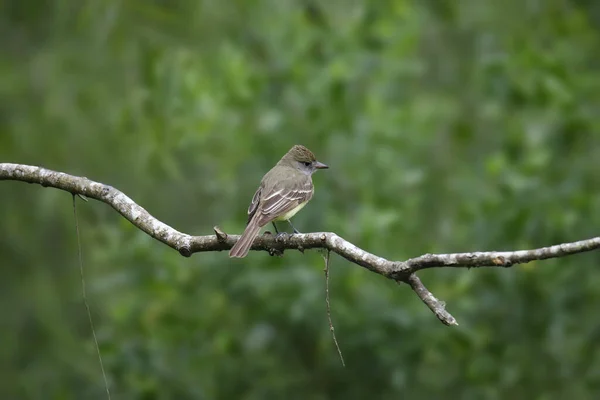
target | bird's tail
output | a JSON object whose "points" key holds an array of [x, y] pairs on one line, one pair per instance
{"points": [[240, 249]]}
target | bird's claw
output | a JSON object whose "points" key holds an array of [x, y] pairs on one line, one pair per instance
{"points": [[281, 236]]}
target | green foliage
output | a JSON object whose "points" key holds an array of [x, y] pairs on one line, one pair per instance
{"points": [[449, 126]]}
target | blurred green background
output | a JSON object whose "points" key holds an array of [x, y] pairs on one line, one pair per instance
{"points": [[448, 126]]}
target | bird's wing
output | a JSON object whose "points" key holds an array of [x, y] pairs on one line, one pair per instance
{"points": [[254, 204], [284, 197]]}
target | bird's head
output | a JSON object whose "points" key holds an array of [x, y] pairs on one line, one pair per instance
{"points": [[302, 159]]}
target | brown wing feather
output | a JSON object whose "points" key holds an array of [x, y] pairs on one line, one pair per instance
{"points": [[284, 197], [254, 204]]}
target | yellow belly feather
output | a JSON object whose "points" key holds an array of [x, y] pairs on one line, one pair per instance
{"points": [[291, 213]]}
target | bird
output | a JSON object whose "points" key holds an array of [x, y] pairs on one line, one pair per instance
{"points": [[283, 191]]}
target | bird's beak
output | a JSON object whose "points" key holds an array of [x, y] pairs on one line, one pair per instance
{"points": [[320, 165]]}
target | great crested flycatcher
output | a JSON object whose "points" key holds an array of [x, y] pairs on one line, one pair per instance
{"points": [[283, 191]]}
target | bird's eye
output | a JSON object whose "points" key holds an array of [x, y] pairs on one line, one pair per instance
{"points": [[306, 163]]}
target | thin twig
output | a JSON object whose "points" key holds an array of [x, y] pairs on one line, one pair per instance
{"points": [[328, 306], [87, 306]]}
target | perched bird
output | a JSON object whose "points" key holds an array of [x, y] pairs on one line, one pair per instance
{"points": [[283, 191]]}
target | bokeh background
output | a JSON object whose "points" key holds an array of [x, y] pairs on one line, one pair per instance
{"points": [[448, 125]]}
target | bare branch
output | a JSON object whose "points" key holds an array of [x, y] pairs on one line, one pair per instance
{"points": [[438, 307], [400, 271], [500, 258]]}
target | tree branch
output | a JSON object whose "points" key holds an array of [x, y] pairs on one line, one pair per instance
{"points": [[436, 306], [400, 271]]}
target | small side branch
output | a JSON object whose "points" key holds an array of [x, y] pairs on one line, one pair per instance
{"points": [[438, 307]]}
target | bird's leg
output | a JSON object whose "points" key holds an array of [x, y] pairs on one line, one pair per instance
{"points": [[279, 235], [295, 230]]}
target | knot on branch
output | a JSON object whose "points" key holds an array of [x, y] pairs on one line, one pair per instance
{"points": [[221, 236], [501, 261], [185, 250]]}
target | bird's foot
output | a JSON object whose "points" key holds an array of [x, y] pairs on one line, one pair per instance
{"points": [[281, 236]]}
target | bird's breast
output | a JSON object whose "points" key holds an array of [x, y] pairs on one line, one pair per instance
{"points": [[291, 213]]}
